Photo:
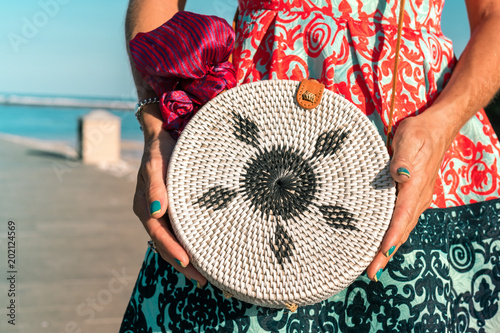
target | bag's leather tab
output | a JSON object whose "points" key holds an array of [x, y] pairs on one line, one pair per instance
{"points": [[310, 93]]}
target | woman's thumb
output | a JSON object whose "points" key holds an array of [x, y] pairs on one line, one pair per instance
{"points": [[157, 195]]}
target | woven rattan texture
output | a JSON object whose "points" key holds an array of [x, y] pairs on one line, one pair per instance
{"points": [[276, 204]]}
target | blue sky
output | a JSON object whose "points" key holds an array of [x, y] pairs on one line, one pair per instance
{"points": [[77, 48]]}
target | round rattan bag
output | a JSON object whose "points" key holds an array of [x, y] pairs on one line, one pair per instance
{"points": [[278, 205]]}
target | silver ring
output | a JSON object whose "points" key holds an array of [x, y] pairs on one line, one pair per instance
{"points": [[152, 246]]}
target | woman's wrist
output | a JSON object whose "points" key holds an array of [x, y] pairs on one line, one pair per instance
{"points": [[151, 121]]}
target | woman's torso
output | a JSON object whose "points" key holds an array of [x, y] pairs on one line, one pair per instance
{"points": [[422, 14]]}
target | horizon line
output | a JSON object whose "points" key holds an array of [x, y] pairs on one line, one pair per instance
{"points": [[74, 102]]}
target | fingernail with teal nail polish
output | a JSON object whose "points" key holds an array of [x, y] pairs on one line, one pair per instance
{"points": [[377, 276], [391, 251], [179, 263], [403, 172], [198, 285], [155, 207]]}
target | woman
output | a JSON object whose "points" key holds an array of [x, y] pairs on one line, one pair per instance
{"points": [[442, 276]]}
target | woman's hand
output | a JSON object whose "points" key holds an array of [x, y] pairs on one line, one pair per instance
{"points": [[151, 199], [420, 142], [418, 146]]}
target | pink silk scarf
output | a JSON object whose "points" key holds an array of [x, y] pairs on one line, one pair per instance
{"points": [[185, 61]]}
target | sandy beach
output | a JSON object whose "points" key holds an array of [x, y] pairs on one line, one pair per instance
{"points": [[78, 245]]}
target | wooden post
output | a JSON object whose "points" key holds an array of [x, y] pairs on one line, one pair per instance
{"points": [[99, 137]]}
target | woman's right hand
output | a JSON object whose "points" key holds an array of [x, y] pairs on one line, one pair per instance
{"points": [[151, 198]]}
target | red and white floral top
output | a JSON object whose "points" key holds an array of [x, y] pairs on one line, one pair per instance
{"points": [[349, 45]]}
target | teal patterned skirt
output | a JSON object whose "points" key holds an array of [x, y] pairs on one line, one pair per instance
{"points": [[445, 278]]}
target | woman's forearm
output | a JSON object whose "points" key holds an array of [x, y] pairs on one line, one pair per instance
{"points": [[144, 16], [476, 77]]}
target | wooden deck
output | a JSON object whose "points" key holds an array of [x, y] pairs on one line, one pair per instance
{"points": [[79, 246]]}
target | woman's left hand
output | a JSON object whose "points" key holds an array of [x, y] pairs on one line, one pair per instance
{"points": [[418, 148], [420, 142]]}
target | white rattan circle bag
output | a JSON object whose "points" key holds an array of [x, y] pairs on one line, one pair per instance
{"points": [[276, 204]]}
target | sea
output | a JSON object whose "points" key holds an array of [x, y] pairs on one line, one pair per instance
{"points": [[54, 125], [58, 123]]}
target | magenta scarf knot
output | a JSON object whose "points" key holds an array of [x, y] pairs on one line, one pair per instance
{"points": [[185, 61]]}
